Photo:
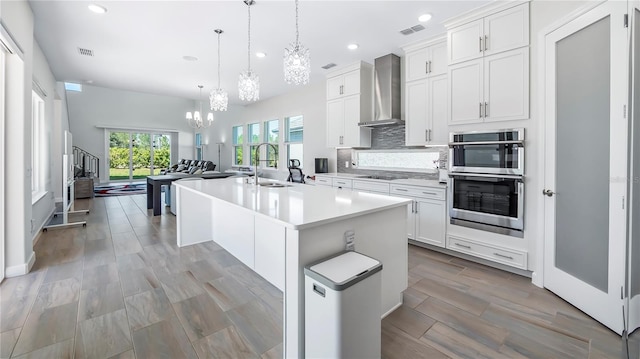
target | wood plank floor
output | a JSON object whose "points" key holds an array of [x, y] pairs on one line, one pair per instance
{"points": [[121, 288]]}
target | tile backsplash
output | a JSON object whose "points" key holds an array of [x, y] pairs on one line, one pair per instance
{"points": [[389, 138]]}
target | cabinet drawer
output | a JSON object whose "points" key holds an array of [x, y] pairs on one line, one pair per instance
{"points": [[509, 257], [420, 192], [343, 183], [370, 186], [323, 181]]}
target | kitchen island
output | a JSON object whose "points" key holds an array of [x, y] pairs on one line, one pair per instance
{"points": [[276, 231]]}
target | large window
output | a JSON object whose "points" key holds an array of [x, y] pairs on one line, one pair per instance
{"points": [[37, 146], [271, 135], [238, 141], [198, 146], [254, 141], [293, 138]]}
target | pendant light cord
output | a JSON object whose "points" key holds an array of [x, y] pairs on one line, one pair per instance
{"points": [[297, 32], [249, 42], [218, 60]]}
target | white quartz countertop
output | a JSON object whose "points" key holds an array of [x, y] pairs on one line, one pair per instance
{"points": [[297, 206], [406, 181]]}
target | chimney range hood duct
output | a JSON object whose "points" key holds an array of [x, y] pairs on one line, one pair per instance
{"points": [[386, 94]]}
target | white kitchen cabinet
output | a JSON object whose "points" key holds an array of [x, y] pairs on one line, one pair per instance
{"points": [[342, 183], [426, 111], [507, 256], [349, 101], [371, 186], [270, 251], [427, 215], [324, 181], [494, 33], [494, 88], [426, 60]]}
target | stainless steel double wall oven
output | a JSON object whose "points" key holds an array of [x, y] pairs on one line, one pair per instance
{"points": [[487, 180]]}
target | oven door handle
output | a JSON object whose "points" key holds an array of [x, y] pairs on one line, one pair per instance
{"points": [[482, 175], [520, 143]]}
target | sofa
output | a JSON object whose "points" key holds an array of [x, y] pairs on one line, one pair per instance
{"points": [[190, 167]]}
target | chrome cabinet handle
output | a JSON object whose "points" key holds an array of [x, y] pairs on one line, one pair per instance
{"points": [[430, 67], [426, 135], [480, 45], [401, 189], [429, 193], [416, 204], [430, 136], [548, 192], [480, 110], [502, 256], [426, 67], [486, 40], [341, 89], [486, 109], [462, 245]]}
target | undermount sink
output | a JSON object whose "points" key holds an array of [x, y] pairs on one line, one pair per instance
{"points": [[273, 185]]}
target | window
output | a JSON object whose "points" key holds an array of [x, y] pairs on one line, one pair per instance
{"points": [[254, 141], [238, 140], [37, 146], [70, 86], [198, 146], [293, 138], [271, 135]]}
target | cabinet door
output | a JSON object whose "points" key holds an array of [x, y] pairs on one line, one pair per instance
{"points": [[411, 218], [335, 122], [506, 30], [417, 64], [351, 119], [437, 112], [506, 85], [438, 58], [465, 92], [416, 113], [430, 222], [351, 83], [334, 87], [464, 42]]}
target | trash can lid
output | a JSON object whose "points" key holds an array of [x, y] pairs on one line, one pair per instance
{"points": [[343, 270]]}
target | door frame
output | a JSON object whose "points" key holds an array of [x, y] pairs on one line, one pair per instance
{"points": [[619, 98]]}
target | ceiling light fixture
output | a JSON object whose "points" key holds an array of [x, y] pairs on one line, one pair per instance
{"points": [[424, 17], [260, 54], [297, 60], [97, 8], [353, 46], [249, 82], [218, 98], [195, 120]]}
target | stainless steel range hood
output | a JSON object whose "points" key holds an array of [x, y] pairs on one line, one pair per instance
{"points": [[386, 85]]}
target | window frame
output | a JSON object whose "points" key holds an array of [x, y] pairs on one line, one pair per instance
{"points": [[272, 165], [37, 146], [287, 138], [238, 144], [198, 142], [252, 143]]}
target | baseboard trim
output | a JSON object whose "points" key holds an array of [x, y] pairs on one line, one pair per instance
{"points": [[39, 232], [21, 269]]}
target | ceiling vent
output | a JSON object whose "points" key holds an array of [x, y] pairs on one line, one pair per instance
{"points": [[412, 29], [328, 66], [85, 52]]}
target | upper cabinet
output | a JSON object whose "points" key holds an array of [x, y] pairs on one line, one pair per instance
{"points": [[488, 53], [349, 101], [501, 31], [425, 93]]}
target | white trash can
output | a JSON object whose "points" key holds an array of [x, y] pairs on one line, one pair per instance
{"points": [[342, 307]]}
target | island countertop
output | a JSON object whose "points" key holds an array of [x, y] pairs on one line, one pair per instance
{"points": [[296, 206]]}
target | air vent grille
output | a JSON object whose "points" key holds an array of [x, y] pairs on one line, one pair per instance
{"points": [[85, 52], [328, 66], [412, 29]]}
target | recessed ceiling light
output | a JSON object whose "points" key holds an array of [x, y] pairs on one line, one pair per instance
{"points": [[97, 8], [424, 17], [352, 46], [260, 54], [190, 58]]}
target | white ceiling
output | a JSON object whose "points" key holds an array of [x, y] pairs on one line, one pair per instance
{"points": [[139, 45]]}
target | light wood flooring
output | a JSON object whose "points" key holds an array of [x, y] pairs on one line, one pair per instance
{"points": [[121, 288]]}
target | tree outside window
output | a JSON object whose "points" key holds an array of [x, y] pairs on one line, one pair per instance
{"points": [[293, 138], [254, 141], [271, 135], [238, 141]]}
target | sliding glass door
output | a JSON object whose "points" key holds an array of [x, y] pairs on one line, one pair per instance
{"points": [[135, 155]]}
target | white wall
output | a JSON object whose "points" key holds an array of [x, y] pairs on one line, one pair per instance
{"points": [[309, 101], [119, 109], [18, 21]]}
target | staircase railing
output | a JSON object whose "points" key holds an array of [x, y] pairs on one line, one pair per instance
{"points": [[89, 163]]}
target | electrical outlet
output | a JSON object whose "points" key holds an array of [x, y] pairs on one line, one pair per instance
{"points": [[346, 164], [349, 238]]}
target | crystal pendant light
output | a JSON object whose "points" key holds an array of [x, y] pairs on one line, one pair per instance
{"points": [[218, 97], [249, 82], [195, 120], [297, 60]]}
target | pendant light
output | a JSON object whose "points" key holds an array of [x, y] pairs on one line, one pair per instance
{"points": [[249, 82], [297, 60], [218, 98], [196, 120]]}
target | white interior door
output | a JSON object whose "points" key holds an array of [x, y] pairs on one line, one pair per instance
{"points": [[586, 162]]}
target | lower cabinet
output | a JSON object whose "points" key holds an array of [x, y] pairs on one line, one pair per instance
{"points": [[427, 215], [507, 256]]}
